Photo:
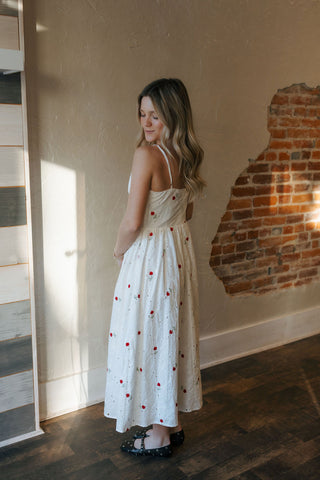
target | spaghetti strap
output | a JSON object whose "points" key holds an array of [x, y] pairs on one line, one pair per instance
{"points": [[168, 164]]}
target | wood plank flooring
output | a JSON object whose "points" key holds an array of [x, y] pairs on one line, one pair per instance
{"points": [[260, 421]]}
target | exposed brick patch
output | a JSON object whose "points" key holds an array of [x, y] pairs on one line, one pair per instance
{"points": [[269, 236]]}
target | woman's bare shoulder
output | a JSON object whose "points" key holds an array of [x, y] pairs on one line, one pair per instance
{"points": [[146, 154]]}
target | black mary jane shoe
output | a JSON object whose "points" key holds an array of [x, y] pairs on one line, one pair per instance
{"points": [[176, 438], [129, 447]]}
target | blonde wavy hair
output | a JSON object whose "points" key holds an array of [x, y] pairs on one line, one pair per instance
{"points": [[171, 102]]}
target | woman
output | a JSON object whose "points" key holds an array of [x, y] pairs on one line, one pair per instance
{"points": [[153, 355]]}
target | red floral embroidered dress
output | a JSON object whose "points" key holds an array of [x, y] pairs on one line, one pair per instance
{"points": [[153, 352]]}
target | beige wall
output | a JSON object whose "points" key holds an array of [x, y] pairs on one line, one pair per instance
{"points": [[86, 63]]}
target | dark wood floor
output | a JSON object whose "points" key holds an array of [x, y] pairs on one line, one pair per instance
{"points": [[260, 421]]}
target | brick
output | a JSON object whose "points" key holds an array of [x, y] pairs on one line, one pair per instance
{"points": [[260, 157], [242, 267], [298, 166], [302, 187], [227, 226], [289, 122], [265, 290], [311, 253], [258, 167], [255, 254], [287, 209], [314, 165], [280, 269], [216, 250], [306, 154], [298, 132], [255, 223], [262, 179], [295, 218], [293, 257], [243, 191], [241, 214], [286, 285], [300, 100], [264, 190], [214, 261], [228, 238], [306, 281], [273, 121], [299, 227], [315, 235], [311, 272], [270, 251], [303, 143], [230, 248], [282, 178], [262, 282], [274, 241], [280, 144], [312, 112], [283, 156], [288, 249], [265, 212], [230, 279], [226, 217], [300, 177], [253, 234], [262, 201], [316, 177], [315, 243], [284, 188], [284, 199], [239, 203], [299, 111], [287, 278], [304, 198], [233, 258], [280, 167], [245, 246], [264, 232], [303, 237], [310, 122], [242, 180], [279, 99], [316, 154], [278, 132], [295, 155], [221, 271], [308, 208], [287, 229], [274, 221], [239, 287], [266, 262]]}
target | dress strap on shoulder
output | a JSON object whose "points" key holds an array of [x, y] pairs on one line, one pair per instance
{"points": [[168, 164]]}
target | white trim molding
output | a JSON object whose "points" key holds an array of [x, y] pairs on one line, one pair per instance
{"points": [[231, 344]]}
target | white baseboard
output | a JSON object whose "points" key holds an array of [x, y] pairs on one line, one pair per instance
{"points": [[20, 438], [229, 345], [83, 389]]}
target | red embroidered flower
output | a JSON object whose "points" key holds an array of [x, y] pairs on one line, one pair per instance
{"points": [[180, 303], [121, 381], [127, 344], [158, 384], [176, 404], [184, 390], [182, 355], [129, 285], [171, 332], [152, 312], [171, 229], [179, 266], [150, 234], [155, 348], [168, 294], [143, 406], [150, 273], [110, 334], [139, 295], [174, 369], [187, 239], [140, 369], [173, 198], [152, 213], [139, 333], [127, 395], [161, 421], [116, 298]]}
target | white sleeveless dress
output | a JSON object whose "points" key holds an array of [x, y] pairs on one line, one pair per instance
{"points": [[153, 351]]}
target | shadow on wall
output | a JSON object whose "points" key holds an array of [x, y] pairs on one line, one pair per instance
{"points": [[269, 236]]}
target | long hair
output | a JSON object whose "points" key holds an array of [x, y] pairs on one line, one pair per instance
{"points": [[171, 102]]}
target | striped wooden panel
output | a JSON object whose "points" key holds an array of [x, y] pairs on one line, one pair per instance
{"points": [[14, 283], [9, 34], [16, 391], [9, 7], [12, 206], [11, 125], [15, 320], [15, 356], [11, 166], [14, 244], [17, 422], [10, 88]]}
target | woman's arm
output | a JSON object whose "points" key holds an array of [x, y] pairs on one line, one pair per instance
{"points": [[189, 211], [141, 175]]}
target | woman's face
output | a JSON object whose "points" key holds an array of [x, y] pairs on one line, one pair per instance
{"points": [[150, 121]]}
